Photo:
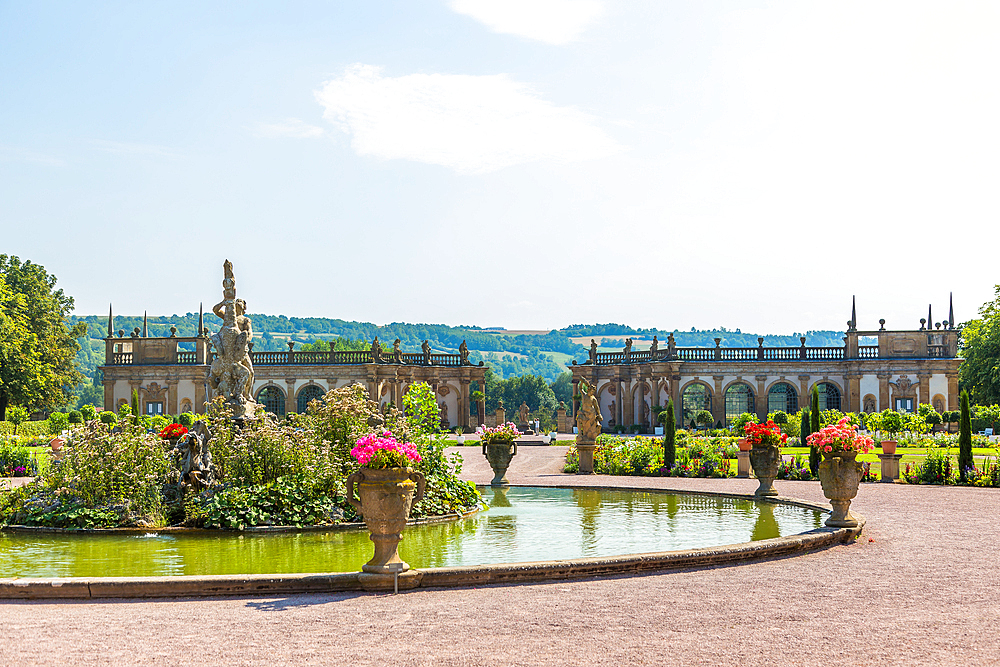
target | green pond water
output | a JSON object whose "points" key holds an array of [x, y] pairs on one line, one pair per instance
{"points": [[522, 524]]}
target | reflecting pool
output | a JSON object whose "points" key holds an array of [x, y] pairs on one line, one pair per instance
{"points": [[522, 524]]}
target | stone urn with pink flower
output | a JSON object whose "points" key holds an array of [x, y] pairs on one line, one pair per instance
{"points": [[499, 448], [839, 471], [386, 488]]}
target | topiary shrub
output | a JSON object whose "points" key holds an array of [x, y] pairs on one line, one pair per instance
{"points": [[58, 422], [108, 417], [185, 419], [75, 417], [89, 412]]}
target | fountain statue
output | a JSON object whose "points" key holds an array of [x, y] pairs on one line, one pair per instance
{"points": [[588, 423], [231, 374]]}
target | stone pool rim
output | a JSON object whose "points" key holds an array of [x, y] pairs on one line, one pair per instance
{"points": [[459, 576]]}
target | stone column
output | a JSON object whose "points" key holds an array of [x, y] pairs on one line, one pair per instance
{"points": [[924, 388], [290, 405], [883, 390], [675, 394], [804, 400], [718, 401], [953, 398], [628, 409], [109, 394], [172, 396], [463, 404], [760, 401], [200, 396]]}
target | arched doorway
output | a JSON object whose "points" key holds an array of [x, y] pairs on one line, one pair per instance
{"points": [[273, 400], [739, 399], [829, 396], [309, 393], [694, 398], [782, 397]]}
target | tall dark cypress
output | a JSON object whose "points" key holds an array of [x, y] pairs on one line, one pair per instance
{"points": [[965, 462], [814, 455], [670, 437]]}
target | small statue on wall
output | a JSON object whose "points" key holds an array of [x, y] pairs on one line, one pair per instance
{"points": [[376, 351], [463, 351], [426, 347], [593, 351], [443, 414], [522, 413], [654, 348], [397, 354]]}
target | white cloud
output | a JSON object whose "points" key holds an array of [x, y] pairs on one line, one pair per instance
{"points": [[290, 127], [472, 124], [550, 21]]}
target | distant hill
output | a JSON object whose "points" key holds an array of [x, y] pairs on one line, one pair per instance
{"points": [[509, 353]]}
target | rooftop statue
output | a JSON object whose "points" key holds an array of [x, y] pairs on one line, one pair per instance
{"points": [[231, 374]]}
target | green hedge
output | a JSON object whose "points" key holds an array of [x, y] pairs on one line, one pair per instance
{"points": [[26, 428]]}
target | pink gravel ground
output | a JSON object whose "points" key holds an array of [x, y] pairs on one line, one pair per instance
{"points": [[918, 588]]}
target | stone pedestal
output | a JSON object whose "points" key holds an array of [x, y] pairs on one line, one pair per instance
{"points": [[765, 461], [743, 464], [586, 451], [562, 424], [890, 467], [499, 455]]}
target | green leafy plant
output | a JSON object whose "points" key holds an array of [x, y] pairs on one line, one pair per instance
{"points": [[669, 436], [421, 408], [965, 460]]}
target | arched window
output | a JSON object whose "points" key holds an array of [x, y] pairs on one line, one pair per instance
{"points": [[739, 399], [783, 397], [273, 400], [829, 396], [695, 397], [310, 393]]}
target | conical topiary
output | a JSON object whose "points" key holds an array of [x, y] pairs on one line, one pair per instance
{"points": [[965, 461], [669, 437]]}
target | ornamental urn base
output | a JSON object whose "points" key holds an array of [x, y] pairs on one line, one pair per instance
{"points": [[386, 498], [840, 478], [386, 582], [765, 461], [499, 455]]}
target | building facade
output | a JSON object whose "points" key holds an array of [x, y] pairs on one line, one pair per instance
{"points": [[900, 371], [170, 375]]}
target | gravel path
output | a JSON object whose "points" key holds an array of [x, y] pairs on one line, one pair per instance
{"points": [[918, 588]]}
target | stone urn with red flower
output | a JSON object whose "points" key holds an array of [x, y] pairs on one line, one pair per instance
{"points": [[386, 489], [839, 471], [765, 442], [173, 433]]}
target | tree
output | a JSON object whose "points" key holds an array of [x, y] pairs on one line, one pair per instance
{"points": [[669, 436], [37, 349], [562, 388], [979, 374], [965, 461], [814, 455], [422, 410]]}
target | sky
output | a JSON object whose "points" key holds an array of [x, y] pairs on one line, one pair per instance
{"points": [[515, 163]]}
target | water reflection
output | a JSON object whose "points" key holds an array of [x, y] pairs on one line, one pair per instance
{"points": [[522, 524]]}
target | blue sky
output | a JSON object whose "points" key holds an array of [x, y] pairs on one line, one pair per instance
{"points": [[521, 164]]}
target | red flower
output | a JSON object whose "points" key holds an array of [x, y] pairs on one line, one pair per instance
{"points": [[173, 431]]}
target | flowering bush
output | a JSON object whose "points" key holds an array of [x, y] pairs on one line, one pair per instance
{"points": [[764, 435], [503, 433], [796, 469], [840, 437], [173, 431], [384, 451]]}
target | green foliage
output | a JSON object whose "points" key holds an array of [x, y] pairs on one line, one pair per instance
{"points": [[89, 412], [290, 500], [780, 417], [135, 402], [16, 460], [980, 341], [186, 419], [743, 420], [936, 468], [421, 408], [37, 349], [75, 417], [965, 460], [107, 417], [17, 415], [445, 492], [703, 417], [122, 474], [58, 422], [669, 435]]}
